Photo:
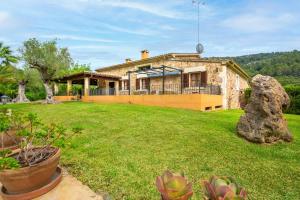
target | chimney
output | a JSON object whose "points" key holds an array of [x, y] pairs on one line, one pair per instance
{"points": [[144, 54], [127, 60]]}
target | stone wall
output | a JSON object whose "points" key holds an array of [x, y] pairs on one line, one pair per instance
{"points": [[233, 90]]}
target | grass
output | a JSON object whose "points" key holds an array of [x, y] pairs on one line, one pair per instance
{"points": [[124, 148]]}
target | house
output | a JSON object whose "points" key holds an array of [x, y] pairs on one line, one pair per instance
{"points": [[168, 74]]}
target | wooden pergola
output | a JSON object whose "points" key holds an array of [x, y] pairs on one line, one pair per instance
{"points": [[86, 79]]}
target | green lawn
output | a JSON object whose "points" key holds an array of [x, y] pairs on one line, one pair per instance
{"points": [[124, 148]]}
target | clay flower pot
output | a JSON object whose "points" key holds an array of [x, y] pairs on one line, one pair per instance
{"points": [[27, 179], [9, 140]]}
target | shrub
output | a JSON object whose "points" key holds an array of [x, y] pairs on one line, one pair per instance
{"points": [[34, 132], [35, 95], [294, 94]]}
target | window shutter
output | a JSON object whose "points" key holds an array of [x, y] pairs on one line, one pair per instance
{"points": [[204, 78], [137, 84], [147, 86], [120, 85], [127, 85], [185, 80]]}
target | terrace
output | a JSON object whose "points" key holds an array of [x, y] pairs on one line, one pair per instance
{"points": [[149, 84]]}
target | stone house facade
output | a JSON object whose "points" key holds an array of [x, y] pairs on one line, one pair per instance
{"points": [[194, 73]]}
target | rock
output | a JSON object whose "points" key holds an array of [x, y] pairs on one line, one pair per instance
{"points": [[263, 121]]}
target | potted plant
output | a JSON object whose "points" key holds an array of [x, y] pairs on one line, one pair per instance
{"points": [[173, 186], [223, 188], [8, 130], [25, 173]]}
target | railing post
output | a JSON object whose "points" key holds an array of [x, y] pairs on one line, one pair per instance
{"points": [[129, 88], [163, 79], [181, 81], [211, 88]]}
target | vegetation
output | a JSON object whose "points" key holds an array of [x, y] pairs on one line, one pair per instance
{"points": [[7, 124], [6, 62], [294, 94], [125, 147], [77, 68], [49, 60], [284, 66], [7, 162], [223, 188], [33, 132], [174, 186]]}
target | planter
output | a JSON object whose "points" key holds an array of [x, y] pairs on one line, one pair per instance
{"points": [[55, 180], [9, 140], [182, 198], [28, 179]]}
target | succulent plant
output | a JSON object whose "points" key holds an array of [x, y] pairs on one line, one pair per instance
{"points": [[223, 188], [173, 186]]}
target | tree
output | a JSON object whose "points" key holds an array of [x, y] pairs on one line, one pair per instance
{"points": [[76, 68], [6, 63], [49, 60], [22, 76]]}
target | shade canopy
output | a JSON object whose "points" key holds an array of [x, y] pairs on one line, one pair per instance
{"points": [[157, 71], [78, 78]]}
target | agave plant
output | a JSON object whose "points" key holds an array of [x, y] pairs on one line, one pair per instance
{"points": [[223, 188], [173, 186]]}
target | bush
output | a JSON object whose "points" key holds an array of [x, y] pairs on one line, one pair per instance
{"points": [[294, 93]]}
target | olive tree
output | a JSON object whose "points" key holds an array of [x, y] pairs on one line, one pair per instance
{"points": [[22, 77], [48, 59]]}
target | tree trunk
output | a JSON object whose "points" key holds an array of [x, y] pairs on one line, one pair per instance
{"points": [[49, 93], [21, 98]]}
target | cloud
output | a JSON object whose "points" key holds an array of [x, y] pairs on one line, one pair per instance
{"points": [[90, 47], [142, 31], [258, 22], [6, 20], [76, 38], [157, 9]]}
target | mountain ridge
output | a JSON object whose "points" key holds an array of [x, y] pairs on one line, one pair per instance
{"points": [[284, 66]]}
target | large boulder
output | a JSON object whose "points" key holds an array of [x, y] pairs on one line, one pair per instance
{"points": [[263, 121]]}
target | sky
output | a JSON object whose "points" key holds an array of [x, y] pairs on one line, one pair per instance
{"points": [[105, 32]]}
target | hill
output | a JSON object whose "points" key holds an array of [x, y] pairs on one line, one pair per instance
{"points": [[284, 66]]}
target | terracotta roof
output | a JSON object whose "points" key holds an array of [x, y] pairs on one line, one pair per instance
{"points": [[135, 62], [233, 65], [86, 74]]}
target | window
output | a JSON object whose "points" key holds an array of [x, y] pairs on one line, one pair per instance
{"points": [[195, 79], [186, 80], [198, 79], [146, 83], [143, 84], [237, 82], [137, 84], [204, 78], [125, 85], [144, 67]]}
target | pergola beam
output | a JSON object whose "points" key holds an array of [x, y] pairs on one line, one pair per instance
{"points": [[159, 71]]}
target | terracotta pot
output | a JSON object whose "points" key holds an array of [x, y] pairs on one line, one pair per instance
{"points": [[56, 179], [9, 140], [27, 179]]}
